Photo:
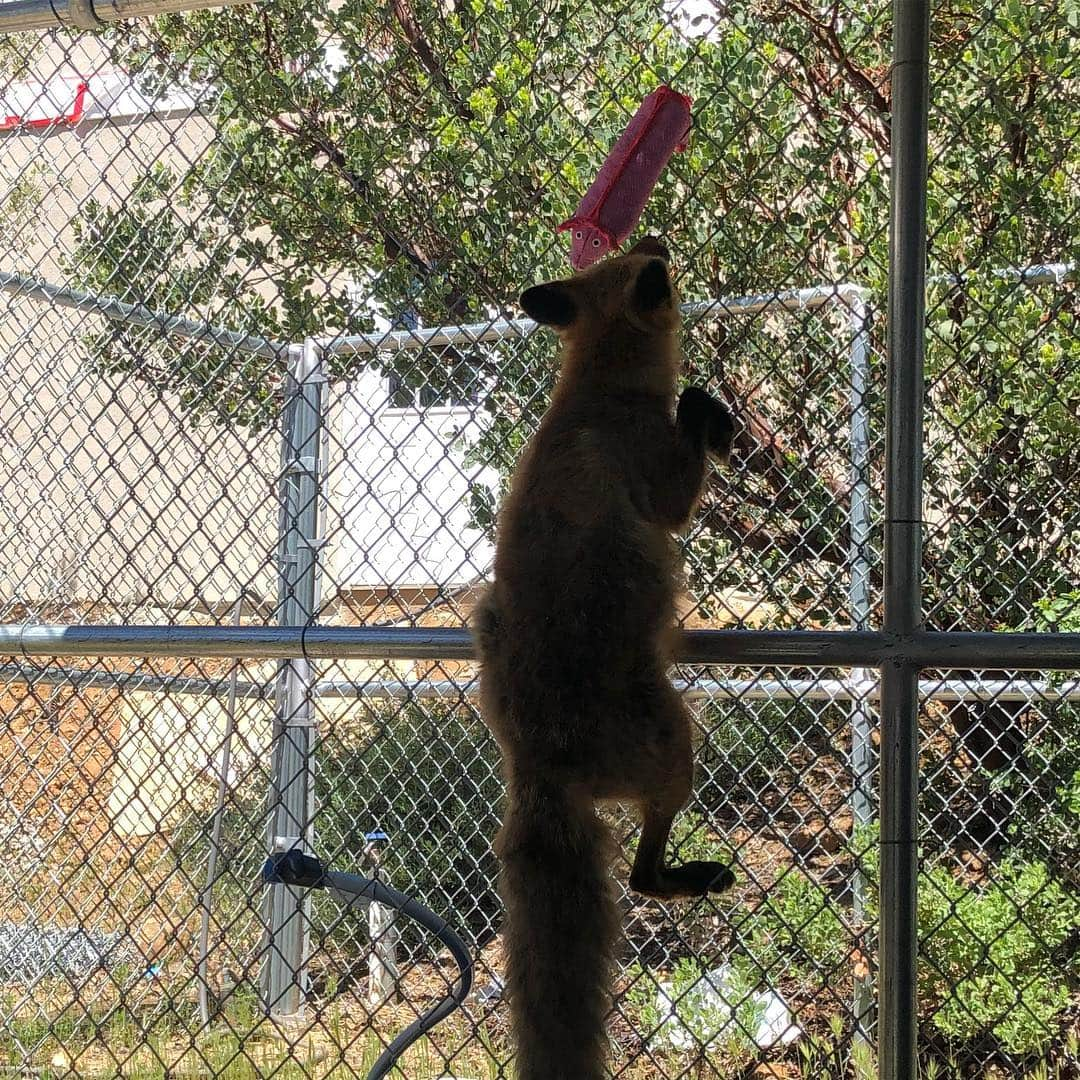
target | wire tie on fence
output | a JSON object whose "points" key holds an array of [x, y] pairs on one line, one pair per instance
{"points": [[302, 466], [303, 644]]}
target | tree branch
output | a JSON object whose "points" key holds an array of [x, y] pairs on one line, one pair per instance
{"points": [[825, 34], [426, 55], [765, 451]]}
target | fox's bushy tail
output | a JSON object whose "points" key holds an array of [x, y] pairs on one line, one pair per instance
{"points": [[561, 930]]}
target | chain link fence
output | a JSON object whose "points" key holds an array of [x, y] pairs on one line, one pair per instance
{"points": [[261, 366]]}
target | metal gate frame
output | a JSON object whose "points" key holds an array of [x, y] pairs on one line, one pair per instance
{"points": [[901, 649]]}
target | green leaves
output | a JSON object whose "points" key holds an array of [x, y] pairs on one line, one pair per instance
{"points": [[431, 153], [993, 955], [990, 954]]}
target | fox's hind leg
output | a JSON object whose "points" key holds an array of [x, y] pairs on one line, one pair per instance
{"points": [[663, 777]]}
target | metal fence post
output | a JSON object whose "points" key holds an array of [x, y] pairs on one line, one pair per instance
{"points": [[862, 721], [286, 912], [903, 538]]}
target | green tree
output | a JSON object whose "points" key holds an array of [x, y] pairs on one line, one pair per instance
{"points": [[429, 149]]}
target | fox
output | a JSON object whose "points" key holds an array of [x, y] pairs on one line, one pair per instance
{"points": [[575, 637]]}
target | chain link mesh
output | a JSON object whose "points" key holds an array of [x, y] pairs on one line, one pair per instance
{"points": [[261, 363]]}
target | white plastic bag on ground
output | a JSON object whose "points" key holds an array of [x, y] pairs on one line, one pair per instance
{"points": [[716, 1008]]}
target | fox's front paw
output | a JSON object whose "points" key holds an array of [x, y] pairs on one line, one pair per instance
{"points": [[705, 416]]}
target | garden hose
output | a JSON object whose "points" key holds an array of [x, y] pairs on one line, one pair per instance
{"points": [[305, 871]]}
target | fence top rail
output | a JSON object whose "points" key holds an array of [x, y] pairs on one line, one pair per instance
{"points": [[759, 648], [502, 329], [394, 341], [1038, 274], [139, 315], [17, 15]]}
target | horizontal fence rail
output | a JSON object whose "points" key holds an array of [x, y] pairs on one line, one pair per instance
{"points": [[766, 648], [22, 15]]}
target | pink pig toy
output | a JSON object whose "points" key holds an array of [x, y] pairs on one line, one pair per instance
{"points": [[612, 206]]}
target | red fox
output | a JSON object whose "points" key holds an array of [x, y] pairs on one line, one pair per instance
{"points": [[575, 638]]}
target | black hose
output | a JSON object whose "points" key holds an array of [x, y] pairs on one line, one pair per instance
{"points": [[296, 868]]}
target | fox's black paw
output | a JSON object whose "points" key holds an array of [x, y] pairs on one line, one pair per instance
{"points": [[689, 880], [705, 416], [703, 877]]}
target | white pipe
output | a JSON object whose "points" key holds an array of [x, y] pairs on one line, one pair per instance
{"points": [[469, 334], [500, 329]]}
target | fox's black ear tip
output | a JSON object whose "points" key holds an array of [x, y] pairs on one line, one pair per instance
{"points": [[549, 305]]}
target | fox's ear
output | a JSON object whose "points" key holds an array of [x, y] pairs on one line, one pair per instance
{"points": [[550, 304], [649, 245], [652, 287]]}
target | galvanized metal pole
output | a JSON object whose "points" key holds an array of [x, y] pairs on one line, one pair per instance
{"points": [[90, 14], [752, 648], [862, 747], [287, 909], [898, 1021], [162, 323]]}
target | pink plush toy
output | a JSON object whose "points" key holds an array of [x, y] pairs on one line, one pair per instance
{"points": [[612, 206]]}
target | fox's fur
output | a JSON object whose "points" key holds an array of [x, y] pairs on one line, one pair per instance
{"points": [[575, 638]]}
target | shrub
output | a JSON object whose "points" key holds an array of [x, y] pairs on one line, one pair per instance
{"points": [[426, 775], [994, 956], [797, 928], [746, 745]]}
